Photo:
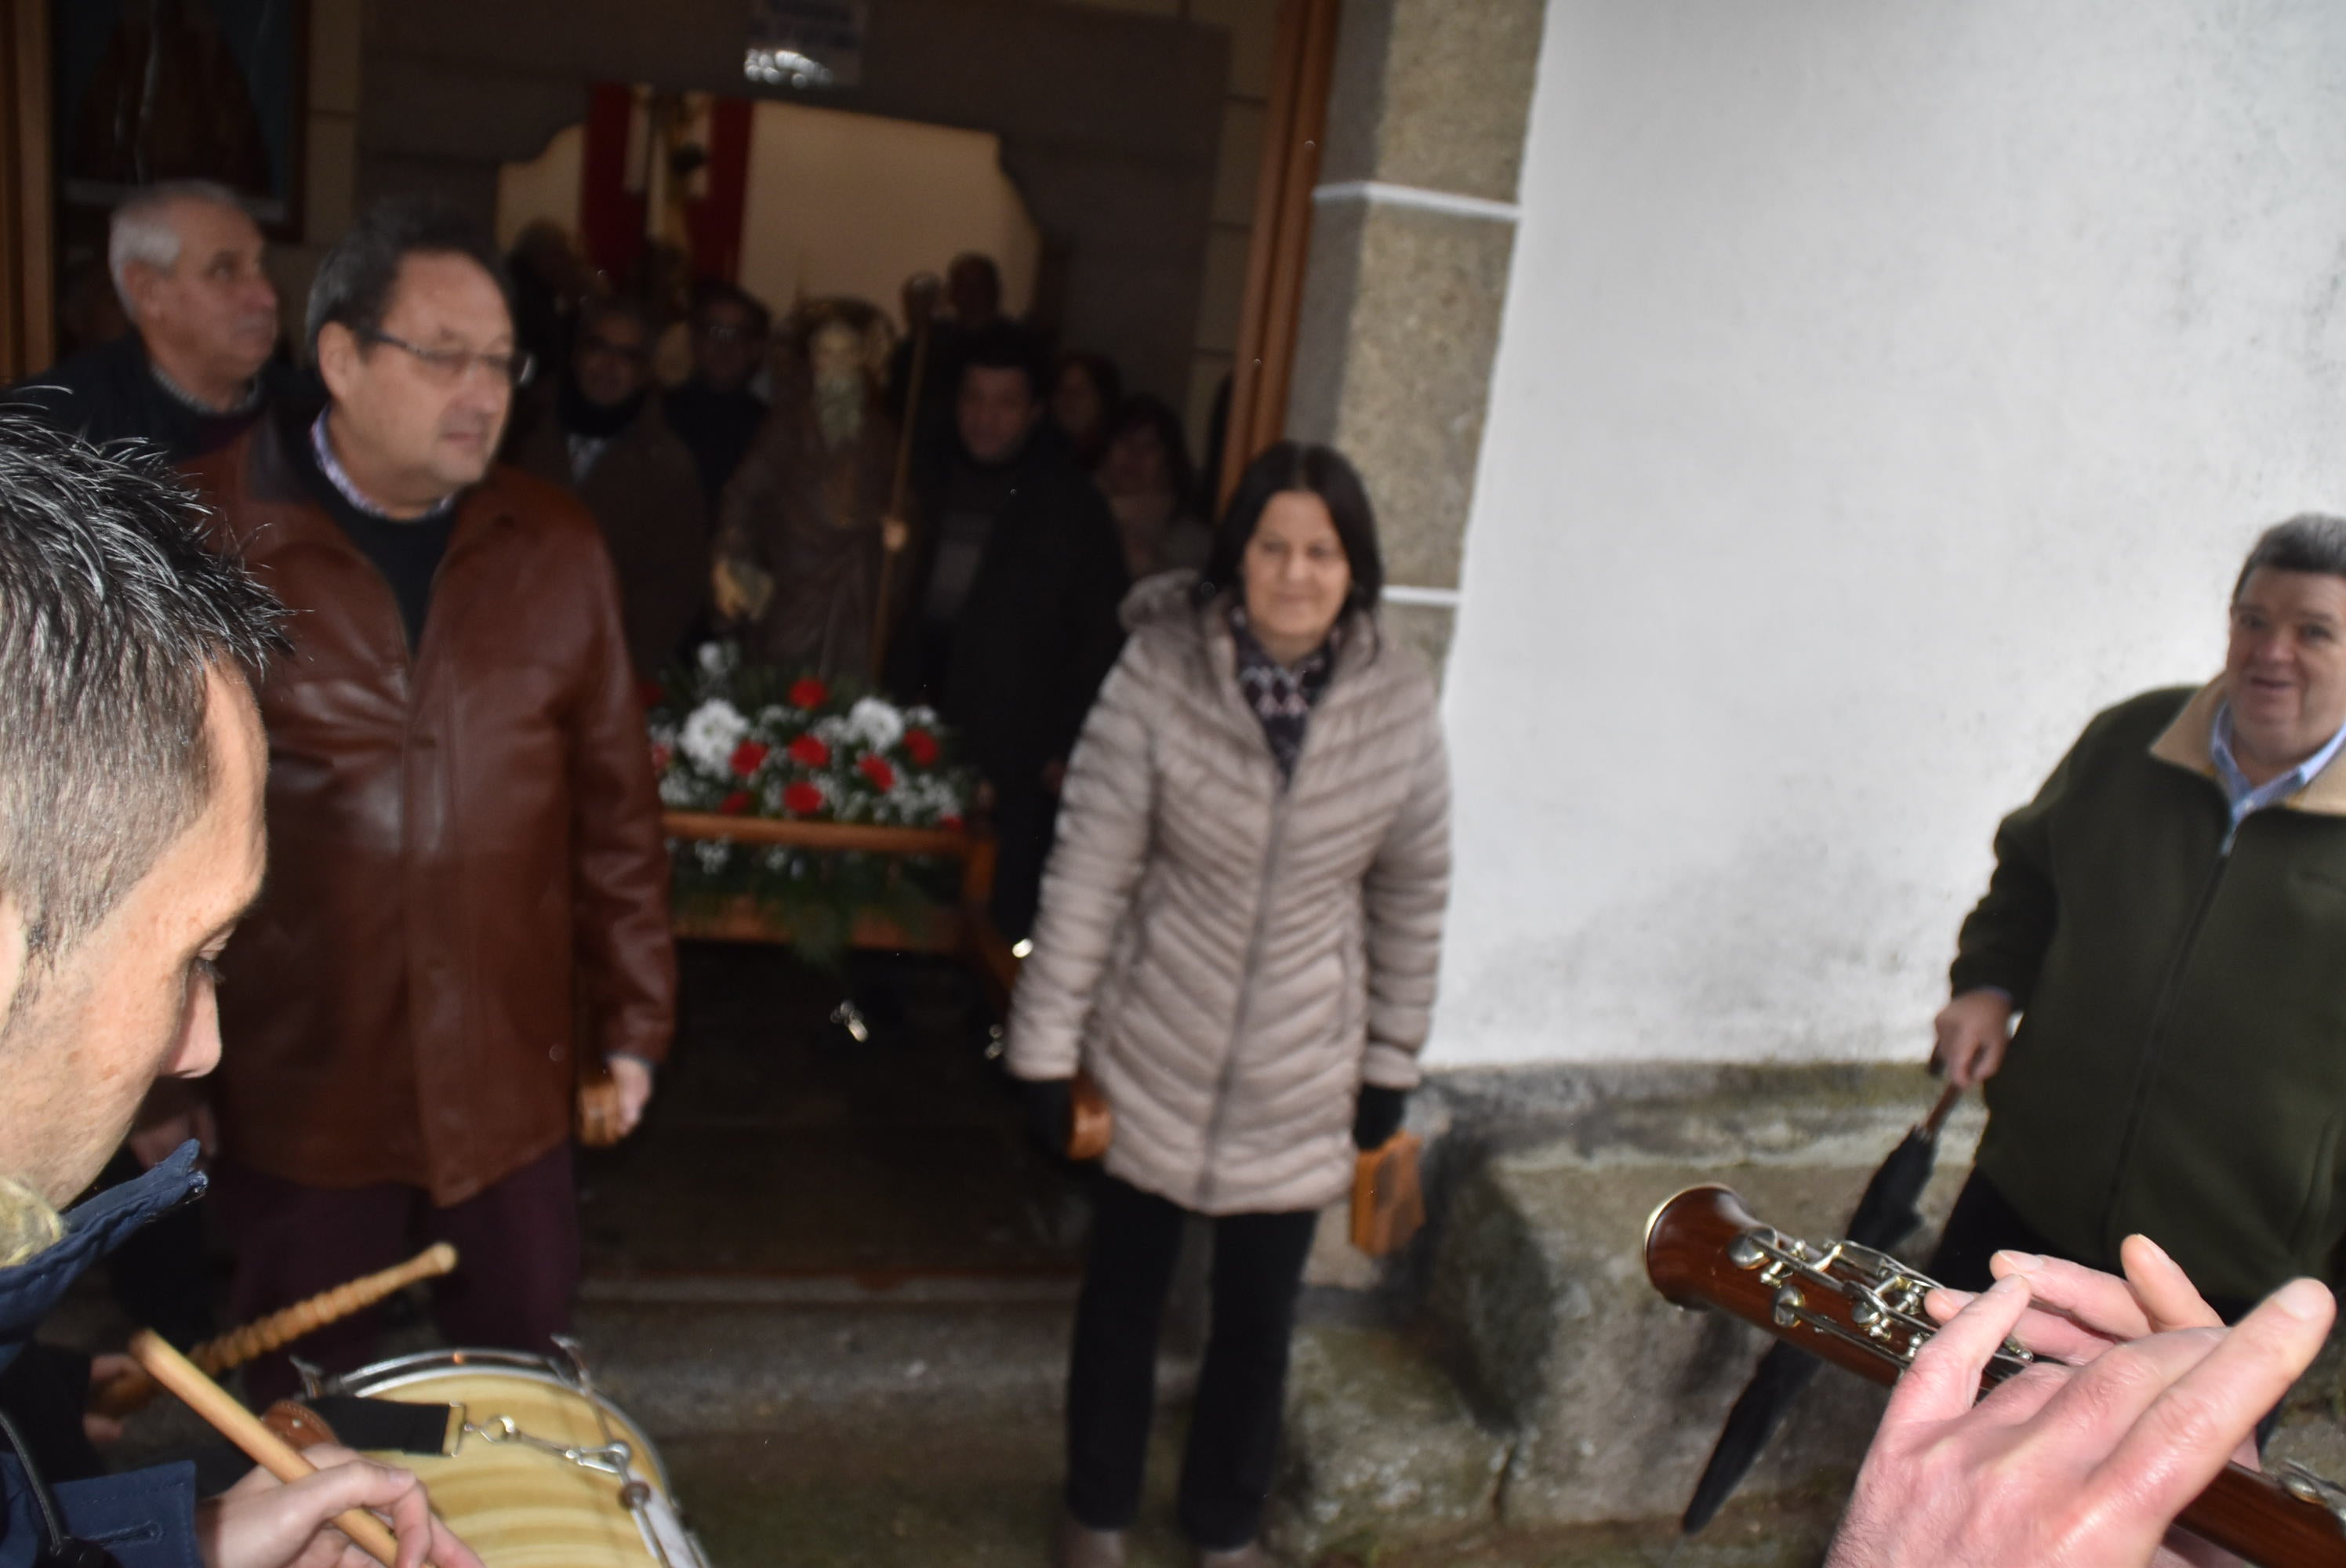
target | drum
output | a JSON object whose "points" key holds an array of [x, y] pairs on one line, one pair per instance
{"points": [[544, 1472]]}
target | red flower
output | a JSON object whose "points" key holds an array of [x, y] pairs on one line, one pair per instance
{"points": [[736, 803], [875, 767], [808, 751], [802, 799], [648, 693], [921, 746], [661, 757], [950, 824], [809, 693], [748, 757]]}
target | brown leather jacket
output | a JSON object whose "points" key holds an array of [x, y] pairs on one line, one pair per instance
{"points": [[461, 846]]}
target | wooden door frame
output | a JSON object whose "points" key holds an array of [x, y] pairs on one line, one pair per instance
{"points": [[1303, 67], [27, 206]]}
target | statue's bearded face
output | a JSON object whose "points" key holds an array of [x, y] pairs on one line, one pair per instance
{"points": [[835, 356]]}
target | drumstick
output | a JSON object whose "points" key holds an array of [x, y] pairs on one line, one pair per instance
{"points": [[243, 1428], [132, 1391]]}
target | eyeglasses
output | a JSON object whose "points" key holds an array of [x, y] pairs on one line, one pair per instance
{"points": [[450, 366]]}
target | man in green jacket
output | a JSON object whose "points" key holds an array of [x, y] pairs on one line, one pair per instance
{"points": [[2168, 920]]}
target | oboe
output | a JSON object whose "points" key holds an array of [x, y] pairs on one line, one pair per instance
{"points": [[1863, 1311]]}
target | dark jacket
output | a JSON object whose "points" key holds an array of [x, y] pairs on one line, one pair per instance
{"points": [[1038, 629], [644, 494], [145, 1518], [2180, 1065], [463, 845], [717, 427], [109, 393]]}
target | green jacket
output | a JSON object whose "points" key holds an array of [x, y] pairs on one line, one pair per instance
{"points": [[2180, 1065]]}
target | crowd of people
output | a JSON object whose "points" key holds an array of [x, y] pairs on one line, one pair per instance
{"points": [[346, 663]]}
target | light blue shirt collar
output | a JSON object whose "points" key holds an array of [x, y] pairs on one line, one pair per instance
{"points": [[2247, 798]]}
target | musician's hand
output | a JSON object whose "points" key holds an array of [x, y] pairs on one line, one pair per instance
{"points": [[895, 535], [2079, 1466], [103, 1371], [634, 1078], [1973, 1033], [262, 1522], [2075, 1313]]}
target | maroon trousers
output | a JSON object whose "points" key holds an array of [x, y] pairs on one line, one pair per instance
{"points": [[517, 1243]]}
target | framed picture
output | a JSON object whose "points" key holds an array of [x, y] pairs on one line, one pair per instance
{"points": [[149, 90]]}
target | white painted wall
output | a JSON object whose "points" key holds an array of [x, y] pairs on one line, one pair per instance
{"points": [[842, 203], [550, 186], [1883, 388]]}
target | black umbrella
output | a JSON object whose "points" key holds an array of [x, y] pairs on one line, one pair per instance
{"points": [[1885, 1216]]}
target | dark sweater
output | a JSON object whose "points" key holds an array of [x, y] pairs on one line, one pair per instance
{"points": [[109, 393], [406, 551], [2177, 1070]]}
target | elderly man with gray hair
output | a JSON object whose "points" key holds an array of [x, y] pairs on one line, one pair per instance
{"points": [[2165, 920], [195, 370]]}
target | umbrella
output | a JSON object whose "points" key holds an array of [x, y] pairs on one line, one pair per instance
{"points": [[1884, 1217]]}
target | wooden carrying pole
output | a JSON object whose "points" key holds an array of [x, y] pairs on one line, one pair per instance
{"points": [[243, 1428], [132, 1391], [898, 489]]}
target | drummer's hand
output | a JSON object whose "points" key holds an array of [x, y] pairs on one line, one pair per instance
{"points": [[633, 1075], [262, 1522], [1972, 1034], [2083, 1466]]}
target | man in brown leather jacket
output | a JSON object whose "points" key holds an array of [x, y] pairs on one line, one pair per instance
{"points": [[466, 879]]}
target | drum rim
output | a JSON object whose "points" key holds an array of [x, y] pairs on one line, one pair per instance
{"points": [[406, 1371]]}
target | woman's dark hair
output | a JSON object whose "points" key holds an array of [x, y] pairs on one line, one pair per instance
{"points": [[1143, 411], [1322, 471]]}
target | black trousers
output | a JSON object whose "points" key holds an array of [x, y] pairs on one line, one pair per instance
{"points": [[1226, 1472]]}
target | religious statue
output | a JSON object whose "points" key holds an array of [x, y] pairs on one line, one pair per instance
{"points": [[806, 534]]}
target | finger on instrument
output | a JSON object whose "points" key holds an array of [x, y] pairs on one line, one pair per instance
{"points": [[1943, 1381], [2049, 1335], [2168, 1298], [2178, 1443], [2100, 1302]]}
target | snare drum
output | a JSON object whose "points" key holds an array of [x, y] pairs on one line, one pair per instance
{"points": [[547, 1472]]}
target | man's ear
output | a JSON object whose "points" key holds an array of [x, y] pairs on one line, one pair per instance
{"points": [[338, 359]]}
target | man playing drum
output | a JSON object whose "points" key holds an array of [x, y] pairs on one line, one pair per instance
{"points": [[131, 762]]}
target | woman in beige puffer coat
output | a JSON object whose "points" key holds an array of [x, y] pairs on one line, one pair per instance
{"points": [[1240, 931]]}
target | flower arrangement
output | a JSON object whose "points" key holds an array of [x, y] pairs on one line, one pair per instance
{"points": [[741, 739]]}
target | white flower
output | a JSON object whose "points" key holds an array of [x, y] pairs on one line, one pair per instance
{"points": [[716, 659], [832, 732], [875, 723], [713, 855], [713, 732], [676, 790]]}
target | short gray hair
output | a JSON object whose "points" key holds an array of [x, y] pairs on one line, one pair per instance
{"points": [[113, 613], [2309, 542], [140, 229]]}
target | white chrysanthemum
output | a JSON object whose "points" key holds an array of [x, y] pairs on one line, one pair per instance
{"points": [[713, 732], [714, 855], [875, 723], [676, 791], [921, 717], [716, 659], [833, 730]]}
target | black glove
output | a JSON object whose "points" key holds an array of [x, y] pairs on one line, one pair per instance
{"points": [[1379, 1116], [1050, 1110]]}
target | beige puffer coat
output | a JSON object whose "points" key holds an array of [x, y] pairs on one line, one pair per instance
{"points": [[1230, 958]]}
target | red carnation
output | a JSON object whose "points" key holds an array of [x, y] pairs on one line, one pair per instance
{"points": [[661, 757], [809, 693], [921, 746], [875, 767], [802, 799], [808, 751], [950, 824], [648, 693], [736, 803], [748, 757]]}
